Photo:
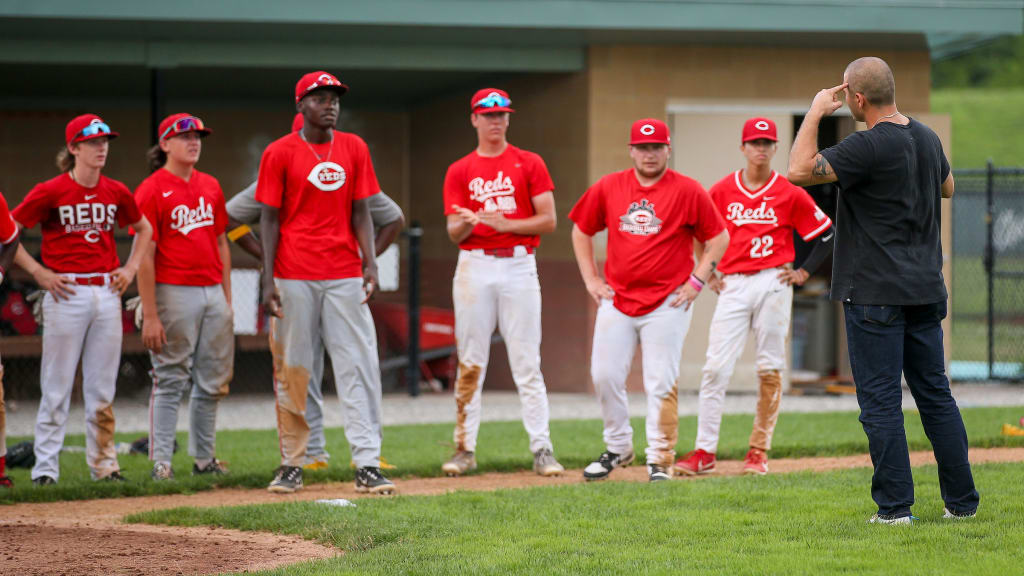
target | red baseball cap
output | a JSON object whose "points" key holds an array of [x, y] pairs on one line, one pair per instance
{"points": [[181, 123], [297, 122], [649, 131], [87, 127], [318, 79], [759, 128], [490, 100]]}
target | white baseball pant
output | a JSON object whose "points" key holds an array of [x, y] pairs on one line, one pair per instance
{"points": [[763, 302], [87, 326], [661, 334], [497, 292]]}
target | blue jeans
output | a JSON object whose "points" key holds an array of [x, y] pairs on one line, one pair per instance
{"points": [[885, 341]]}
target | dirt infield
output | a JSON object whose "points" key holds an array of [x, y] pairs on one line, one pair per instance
{"points": [[89, 537]]}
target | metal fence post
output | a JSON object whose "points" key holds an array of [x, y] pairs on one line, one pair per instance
{"points": [[412, 374], [990, 260]]}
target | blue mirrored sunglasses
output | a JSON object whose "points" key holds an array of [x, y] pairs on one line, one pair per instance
{"points": [[94, 129], [493, 100]]}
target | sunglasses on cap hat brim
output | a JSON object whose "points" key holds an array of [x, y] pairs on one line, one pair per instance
{"points": [[183, 125], [94, 130]]}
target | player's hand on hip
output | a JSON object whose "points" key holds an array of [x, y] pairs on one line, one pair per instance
{"points": [[121, 278], [683, 296], [600, 290], [61, 287], [495, 220], [467, 215], [828, 100], [370, 282], [716, 283], [153, 336], [791, 277], [272, 301]]}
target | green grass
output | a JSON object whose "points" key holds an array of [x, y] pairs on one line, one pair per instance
{"points": [[802, 523], [981, 117], [419, 450]]}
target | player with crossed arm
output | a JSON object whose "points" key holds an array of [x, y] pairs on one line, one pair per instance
{"points": [[8, 247], [83, 283], [319, 270], [761, 209], [498, 200], [388, 221], [185, 286], [652, 214]]}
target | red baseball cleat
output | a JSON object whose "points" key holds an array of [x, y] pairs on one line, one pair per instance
{"points": [[756, 462], [696, 462]]}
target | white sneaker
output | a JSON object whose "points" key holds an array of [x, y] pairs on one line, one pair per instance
{"points": [[608, 461], [946, 513], [544, 463], [879, 519]]}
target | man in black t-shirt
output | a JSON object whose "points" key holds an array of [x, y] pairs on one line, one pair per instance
{"points": [[887, 271]]}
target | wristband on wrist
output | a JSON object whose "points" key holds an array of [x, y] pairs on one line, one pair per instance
{"points": [[238, 232], [697, 284]]}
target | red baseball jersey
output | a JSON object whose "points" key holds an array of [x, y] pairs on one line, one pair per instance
{"points": [[314, 186], [78, 222], [187, 218], [506, 184], [650, 233], [761, 222], [8, 227]]}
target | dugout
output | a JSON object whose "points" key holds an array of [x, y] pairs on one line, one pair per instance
{"points": [[579, 72]]}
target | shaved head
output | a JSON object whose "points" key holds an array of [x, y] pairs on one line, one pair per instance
{"points": [[872, 77]]}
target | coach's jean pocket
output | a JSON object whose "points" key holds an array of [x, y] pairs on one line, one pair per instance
{"points": [[881, 315]]}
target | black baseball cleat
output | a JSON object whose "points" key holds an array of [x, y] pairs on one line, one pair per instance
{"points": [[287, 479], [656, 473], [608, 461], [214, 468], [369, 479], [44, 481], [114, 476]]}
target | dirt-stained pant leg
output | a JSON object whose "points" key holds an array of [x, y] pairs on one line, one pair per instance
{"points": [[727, 336], [180, 309], [662, 333], [771, 329], [291, 344], [213, 369], [101, 358], [519, 309], [615, 340], [350, 338], [475, 295]]}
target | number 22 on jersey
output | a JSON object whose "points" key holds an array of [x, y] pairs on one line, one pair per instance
{"points": [[761, 247]]}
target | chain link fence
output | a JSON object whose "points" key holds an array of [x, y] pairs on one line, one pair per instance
{"points": [[988, 274]]}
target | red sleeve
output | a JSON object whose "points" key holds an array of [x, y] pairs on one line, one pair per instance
{"points": [[806, 216], [8, 228], [454, 188], [146, 202], [589, 213], [127, 210], [540, 178], [366, 179], [34, 208], [709, 222], [220, 217], [271, 180]]}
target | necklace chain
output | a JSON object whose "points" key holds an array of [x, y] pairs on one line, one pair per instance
{"points": [[889, 115], [310, 146]]}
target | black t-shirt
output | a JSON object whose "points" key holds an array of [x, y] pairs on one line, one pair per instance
{"points": [[888, 218]]}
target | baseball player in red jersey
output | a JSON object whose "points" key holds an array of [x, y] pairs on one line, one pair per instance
{"points": [[185, 285], [498, 200], [652, 214], [314, 185], [84, 282], [761, 209], [8, 247]]}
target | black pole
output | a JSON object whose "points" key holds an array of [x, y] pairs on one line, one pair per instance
{"points": [[157, 102], [412, 375], [990, 261]]}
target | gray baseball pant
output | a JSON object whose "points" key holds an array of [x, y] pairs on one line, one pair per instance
{"points": [[200, 354], [334, 310]]}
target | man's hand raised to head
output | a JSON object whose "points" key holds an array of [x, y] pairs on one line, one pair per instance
{"points": [[827, 101]]}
